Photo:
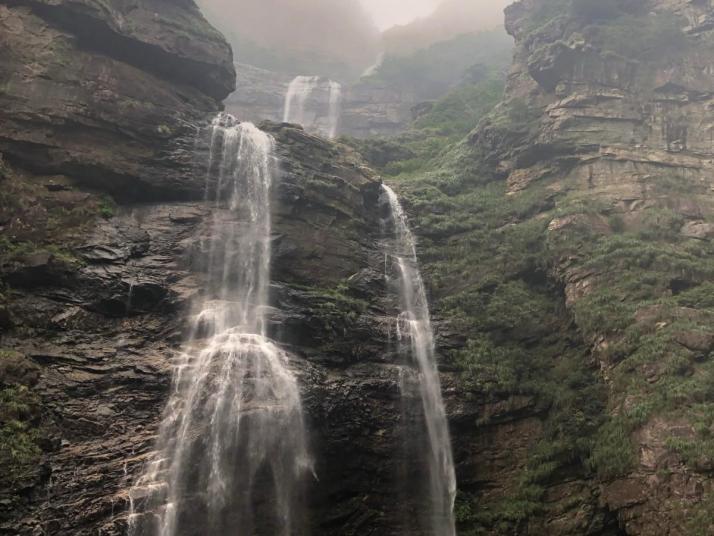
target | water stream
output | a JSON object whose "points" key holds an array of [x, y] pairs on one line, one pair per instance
{"points": [[414, 330], [232, 450], [315, 103]]}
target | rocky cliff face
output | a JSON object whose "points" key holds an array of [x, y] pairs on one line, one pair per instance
{"points": [[566, 242], [568, 245], [93, 329], [259, 94], [367, 108], [98, 99], [109, 92], [375, 109], [94, 291]]}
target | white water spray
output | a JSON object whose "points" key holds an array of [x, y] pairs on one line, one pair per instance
{"points": [[232, 448], [315, 103], [414, 327]]}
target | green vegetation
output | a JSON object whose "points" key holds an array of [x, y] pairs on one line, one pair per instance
{"points": [[334, 312], [435, 70], [653, 37], [497, 263], [613, 454], [701, 517], [107, 207], [45, 220], [19, 437], [433, 135], [11, 251], [20, 429]]}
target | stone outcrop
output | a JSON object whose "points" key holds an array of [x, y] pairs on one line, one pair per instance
{"points": [[109, 92]]}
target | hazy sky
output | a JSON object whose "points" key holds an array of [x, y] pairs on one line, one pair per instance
{"points": [[387, 13]]}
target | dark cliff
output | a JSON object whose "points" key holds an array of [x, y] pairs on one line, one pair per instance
{"points": [[109, 92]]}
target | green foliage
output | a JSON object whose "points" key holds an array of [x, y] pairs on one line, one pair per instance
{"points": [[335, 308], [19, 433], [107, 207], [434, 70], [428, 144], [649, 37], [604, 10], [12, 251], [701, 517], [613, 454], [497, 270], [458, 111]]}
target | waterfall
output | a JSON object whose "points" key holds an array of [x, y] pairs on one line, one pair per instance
{"points": [[299, 91], [335, 103], [315, 103], [232, 449], [415, 331]]}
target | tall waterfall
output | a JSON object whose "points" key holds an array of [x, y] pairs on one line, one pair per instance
{"points": [[414, 331], [232, 448], [315, 103]]}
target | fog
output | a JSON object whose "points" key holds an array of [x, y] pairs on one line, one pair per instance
{"points": [[388, 13], [329, 34], [448, 18], [341, 37]]}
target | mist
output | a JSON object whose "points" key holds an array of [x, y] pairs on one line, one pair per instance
{"points": [[341, 39], [449, 18], [389, 13], [316, 36]]}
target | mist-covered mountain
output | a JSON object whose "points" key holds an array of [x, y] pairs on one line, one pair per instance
{"points": [[432, 70], [451, 18], [321, 37]]}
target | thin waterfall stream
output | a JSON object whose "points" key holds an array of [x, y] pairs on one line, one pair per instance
{"points": [[414, 330], [315, 103], [232, 448]]}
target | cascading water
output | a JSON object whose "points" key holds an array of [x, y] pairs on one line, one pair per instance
{"points": [[315, 103], [415, 331], [335, 103], [232, 449], [299, 92]]}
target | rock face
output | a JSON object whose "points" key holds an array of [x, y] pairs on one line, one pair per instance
{"points": [[373, 109], [108, 92], [584, 200], [101, 329], [108, 98], [567, 251], [259, 94], [367, 108]]}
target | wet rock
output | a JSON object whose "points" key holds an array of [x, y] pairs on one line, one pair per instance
{"points": [[116, 100]]}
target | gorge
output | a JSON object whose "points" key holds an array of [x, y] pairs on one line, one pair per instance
{"points": [[172, 277]]}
